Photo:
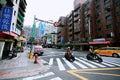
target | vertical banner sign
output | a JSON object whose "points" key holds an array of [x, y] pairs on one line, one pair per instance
{"points": [[6, 18], [33, 31]]}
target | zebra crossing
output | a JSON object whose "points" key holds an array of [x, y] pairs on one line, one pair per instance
{"points": [[50, 75], [79, 63]]}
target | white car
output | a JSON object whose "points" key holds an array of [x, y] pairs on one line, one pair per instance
{"points": [[38, 49]]}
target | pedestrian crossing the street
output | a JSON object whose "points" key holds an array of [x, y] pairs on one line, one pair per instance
{"points": [[79, 63]]}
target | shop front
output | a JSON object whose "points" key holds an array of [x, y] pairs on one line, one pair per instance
{"points": [[97, 43], [7, 41]]}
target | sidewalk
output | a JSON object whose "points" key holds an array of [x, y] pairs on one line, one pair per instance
{"points": [[21, 66]]}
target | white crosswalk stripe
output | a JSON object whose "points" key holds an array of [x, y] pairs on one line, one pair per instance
{"points": [[51, 61], [93, 66], [93, 62], [79, 63], [69, 64], [107, 64], [60, 65], [57, 78], [39, 76], [45, 75]]}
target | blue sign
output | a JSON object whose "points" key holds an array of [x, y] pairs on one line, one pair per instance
{"points": [[42, 28], [6, 18]]}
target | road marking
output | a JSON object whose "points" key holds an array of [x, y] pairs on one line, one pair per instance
{"points": [[86, 63], [80, 65], [101, 73], [77, 75], [57, 78], [75, 72], [69, 64], [51, 61], [107, 64], [100, 65], [60, 65], [116, 64], [39, 76]]}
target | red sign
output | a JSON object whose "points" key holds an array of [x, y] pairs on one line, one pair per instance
{"points": [[55, 24], [105, 42]]}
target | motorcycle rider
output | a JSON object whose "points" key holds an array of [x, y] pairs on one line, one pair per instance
{"points": [[68, 55], [92, 52]]}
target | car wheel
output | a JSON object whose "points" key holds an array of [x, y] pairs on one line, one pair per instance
{"points": [[115, 55]]}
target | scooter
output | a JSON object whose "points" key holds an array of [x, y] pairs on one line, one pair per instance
{"points": [[70, 57], [94, 57]]}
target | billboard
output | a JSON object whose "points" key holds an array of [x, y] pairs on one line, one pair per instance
{"points": [[5, 22]]}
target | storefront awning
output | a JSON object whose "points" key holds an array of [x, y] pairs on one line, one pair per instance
{"points": [[10, 33], [105, 42], [22, 38]]}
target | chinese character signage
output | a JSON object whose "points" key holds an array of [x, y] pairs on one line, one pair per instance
{"points": [[6, 18]]}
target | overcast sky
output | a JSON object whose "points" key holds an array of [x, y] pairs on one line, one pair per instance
{"points": [[47, 9]]}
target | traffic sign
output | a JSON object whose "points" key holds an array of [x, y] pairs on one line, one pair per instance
{"points": [[56, 24], [5, 22]]}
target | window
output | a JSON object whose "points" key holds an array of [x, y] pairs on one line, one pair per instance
{"points": [[98, 21], [109, 26], [98, 14], [118, 24], [14, 13], [108, 35], [102, 48], [97, 7], [86, 31], [119, 34], [107, 9], [109, 17], [99, 29], [106, 1], [118, 13], [117, 3]]}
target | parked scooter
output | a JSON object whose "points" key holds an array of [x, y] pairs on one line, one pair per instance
{"points": [[94, 57], [68, 55], [12, 53]]}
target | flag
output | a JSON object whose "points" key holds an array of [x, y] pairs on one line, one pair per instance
{"points": [[33, 30], [42, 28]]}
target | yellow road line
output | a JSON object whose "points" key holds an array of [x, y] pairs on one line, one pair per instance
{"points": [[79, 70], [75, 72], [101, 73], [78, 76]]}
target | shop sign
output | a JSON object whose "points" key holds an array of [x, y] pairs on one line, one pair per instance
{"points": [[99, 40], [105, 42], [6, 18]]}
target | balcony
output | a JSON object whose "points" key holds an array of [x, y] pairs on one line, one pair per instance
{"points": [[20, 17]]}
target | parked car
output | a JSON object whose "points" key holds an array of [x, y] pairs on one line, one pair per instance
{"points": [[109, 51], [38, 49]]}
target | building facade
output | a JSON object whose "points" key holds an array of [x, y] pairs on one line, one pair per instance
{"points": [[13, 12], [62, 37], [93, 23]]}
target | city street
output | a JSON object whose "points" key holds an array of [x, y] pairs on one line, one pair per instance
{"points": [[80, 69], [60, 40]]}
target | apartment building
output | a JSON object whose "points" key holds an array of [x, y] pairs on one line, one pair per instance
{"points": [[94, 23], [70, 26], [13, 11], [105, 22], [62, 31]]}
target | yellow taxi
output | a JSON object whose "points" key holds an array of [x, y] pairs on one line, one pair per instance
{"points": [[109, 51]]}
